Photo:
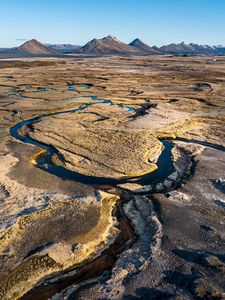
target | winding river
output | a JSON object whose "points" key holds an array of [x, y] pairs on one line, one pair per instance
{"points": [[109, 256], [44, 162]]}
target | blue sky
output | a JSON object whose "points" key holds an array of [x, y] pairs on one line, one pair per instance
{"points": [[72, 21]]}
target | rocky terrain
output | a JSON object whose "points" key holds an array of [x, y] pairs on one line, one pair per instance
{"points": [[112, 177]]}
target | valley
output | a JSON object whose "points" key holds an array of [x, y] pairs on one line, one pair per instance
{"points": [[112, 177]]}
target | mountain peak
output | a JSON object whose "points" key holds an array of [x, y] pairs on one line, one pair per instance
{"points": [[108, 45], [136, 40], [110, 37], [137, 43], [35, 47], [33, 41]]}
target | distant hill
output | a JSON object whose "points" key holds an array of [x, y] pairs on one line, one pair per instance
{"points": [[63, 48], [220, 49], [35, 47], [192, 48], [32, 47], [204, 48], [177, 48], [107, 46], [137, 43]]}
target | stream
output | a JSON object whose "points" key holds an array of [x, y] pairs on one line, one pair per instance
{"points": [[108, 258], [45, 163]]}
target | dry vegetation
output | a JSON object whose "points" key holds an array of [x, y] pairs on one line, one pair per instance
{"points": [[151, 98]]}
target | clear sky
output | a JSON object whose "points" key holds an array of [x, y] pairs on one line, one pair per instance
{"points": [[77, 21]]}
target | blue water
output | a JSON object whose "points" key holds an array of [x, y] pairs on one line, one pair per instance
{"points": [[165, 165], [72, 88], [42, 90]]}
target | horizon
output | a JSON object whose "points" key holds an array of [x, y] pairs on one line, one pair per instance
{"points": [[72, 22], [46, 43]]}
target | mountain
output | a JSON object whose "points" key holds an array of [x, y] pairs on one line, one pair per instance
{"points": [[137, 43], [64, 48], [220, 49], [191, 48], [181, 48], [32, 47], [110, 46], [107, 46], [204, 48]]}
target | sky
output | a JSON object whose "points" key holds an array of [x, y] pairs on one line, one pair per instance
{"points": [[156, 22]]}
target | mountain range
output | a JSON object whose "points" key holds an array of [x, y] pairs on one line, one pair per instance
{"points": [[63, 48], [107, 46], [111, 46]]}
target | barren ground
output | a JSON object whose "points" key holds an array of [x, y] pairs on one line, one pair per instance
{"points": [[103, 120]]}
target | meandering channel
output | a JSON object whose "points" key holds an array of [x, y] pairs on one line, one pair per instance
{"points": [[164, 163], [109, 256]]}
